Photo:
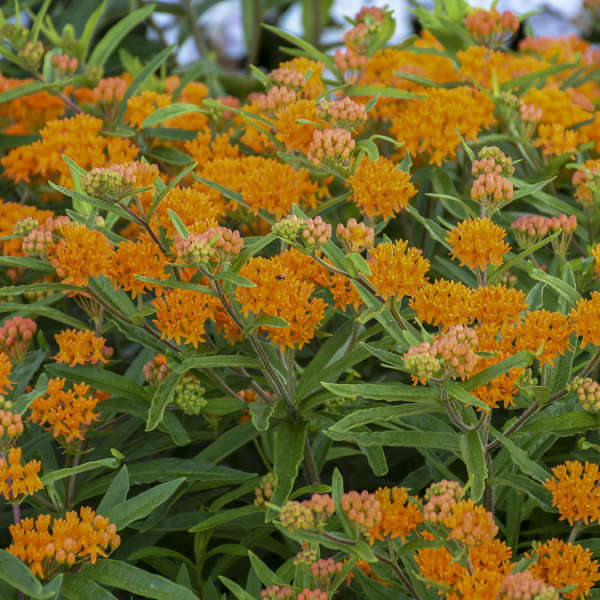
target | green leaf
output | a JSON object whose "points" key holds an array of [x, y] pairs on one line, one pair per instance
{"points": [[37, 310], [457, 392], [266, 576], [18, 290], [563, 289], [37, 22], [390, 392], [288, 453], [116, 492], [567, 424], [520, 458], [172, 183], [79, 587], [89, 28], [167, 112], [23, 372], [115, 573], [234, 279], [14, 572], [473, 456], [261, 414], [235, 589], [400, 439], [24, 90], [179, 225], [337, 491], [376, 459], [267, 321], [224, 517], [109, 463], [143, 504], [106, 46], [519, 360], [22, 262], [383, 92]]}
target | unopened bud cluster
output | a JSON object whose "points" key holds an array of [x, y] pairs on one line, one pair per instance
{"points": [[110, 183], [109, 90], [316, 233], [189, 395], [16, 336], [331, 147], [452, 354], [493, 160], [308, 514], [305, 558], [587, 183], [354, 236], [324, 570], [441, 498], [524, 586], [67, 65], [263, 493], [349, 60], [32, 53], [490, 27], [276, 97], [362, 509], [215, 244], [344, 113], [290, 78], [530, 229], [588, 392], [530, 113], [36, 241], [316, 594], [289, 228], [25, 226], [491, 186], [156, 369], [11, 427], [277, 592]]}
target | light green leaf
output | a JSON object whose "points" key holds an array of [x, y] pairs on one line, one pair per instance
{"points": [[473, 456]]}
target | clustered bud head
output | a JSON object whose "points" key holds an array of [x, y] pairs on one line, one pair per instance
{"points": [[588, 392], [296, 515], [36, 242], [316, 233], [490, 158], [322, 507], [344, 113], [25, 226], [305, 558], [290, 78], [563, 223], [490, 27], [109, 90], [451, 354], [32, 53], [471, 524], [587, 183], [530, 113], [16, 336], [349, 60], [11, 427], [524, 586], [277, 592], [355, 237], [64, 63], [307, 594], [331, 146], [441, 497], [109, 183], [276, 97], [362, 509], [508, 279], [189, 395], [323, 570], [156, 369], [215, 244], [492, 190], [289, 228], [263, 493], [5, 404], [530, 229], [527, 379]]}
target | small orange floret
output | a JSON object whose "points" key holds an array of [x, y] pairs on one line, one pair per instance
{"points": [[586, 318], [78, 347], [17, 480], [5, 369], [399, 516], [443, 303]]}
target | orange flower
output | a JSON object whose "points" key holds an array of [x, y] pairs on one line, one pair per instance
{"points": [[69, 541], [586, 318], [5, 369], [80, 253], [380, 189], [539, 327], [344, 293], [443, 303], [68, 414], [78, 347], [399, 516], [294, 135], [281, 291], [397, 270], [576, 491], [182, 314], [585, 181], [143, 105], [429, 126], [478, 242], [496, 304], [16, 480], [204, 147], [596, 257], [137, 258], [561, 564], [471, 524]]}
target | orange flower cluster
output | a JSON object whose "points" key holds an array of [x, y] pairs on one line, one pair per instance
{"points": [[477, 243], [78, 138], [283, 292], [67, 413], [17, 480], [429, 126], [80, 253], [78, 347], [397, 270], [48, 545], [399, 516], [5, 369], [380, 189], [444, 303], [576, 491], [586, 319], [471, 524]]}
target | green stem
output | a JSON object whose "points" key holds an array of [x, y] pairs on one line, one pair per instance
{"points": [[310, 466]]}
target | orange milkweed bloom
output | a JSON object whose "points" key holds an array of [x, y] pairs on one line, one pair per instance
{"points": [[576, 491], [478, 242], [141, 106], [79, 253], [586, 319], [596, 257], [204, 147], [67, 413], [48, 545], [561, 564], [137, 258], [551, 329], [470, 523], [397, 270], [281, 291], [344, 293], [294, 135], [497, 304], [443, 303], [380, 189], [78, 347], [182, 314], [5, 369], [17, 480], [399, 516]]}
